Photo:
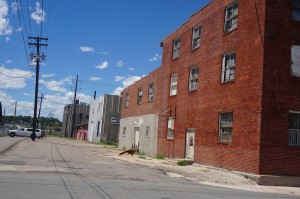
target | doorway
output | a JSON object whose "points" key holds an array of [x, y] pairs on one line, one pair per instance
{"points": [[190, 144], [136, 136]]}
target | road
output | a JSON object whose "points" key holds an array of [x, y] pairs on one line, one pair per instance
{"points": [[61, 168]]}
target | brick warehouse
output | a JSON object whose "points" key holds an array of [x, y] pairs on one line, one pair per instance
{"points": [[230, 88]]}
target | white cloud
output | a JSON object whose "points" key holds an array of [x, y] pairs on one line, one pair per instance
{"points": [[95, 79], [102, 65], [120, 63], [8, 61], [54, 104], [155, 58], [118, 78], [5, 27], [131, 69], [13, 83], [125, 83], [86, 49], [48, 75], [118, 91], [26, 94], [57, 86], [39, 15], [130, 80]]}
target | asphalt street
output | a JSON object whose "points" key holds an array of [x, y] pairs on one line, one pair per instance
{"points": [[61, 168]]}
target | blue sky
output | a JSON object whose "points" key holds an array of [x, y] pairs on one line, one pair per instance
{"points": [[108, 43]]}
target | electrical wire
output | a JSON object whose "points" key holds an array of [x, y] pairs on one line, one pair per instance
{"points": [[15, 76], [29, 18], [258, 22], [42, 18], [23, 38]]}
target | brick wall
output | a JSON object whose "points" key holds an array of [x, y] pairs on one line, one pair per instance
{"points": [[281, 91], [145, 108], [200, 109]]}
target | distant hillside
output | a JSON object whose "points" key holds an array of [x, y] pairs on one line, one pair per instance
{"points": [[27, 121]]}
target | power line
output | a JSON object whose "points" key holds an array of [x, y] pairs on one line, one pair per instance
{"points": [[23, 37], [42, 18], [17, 76], [28, 18]]}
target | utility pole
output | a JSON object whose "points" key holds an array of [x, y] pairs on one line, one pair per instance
{"points": [[39, 116], [1, 117], [15, 113], [37, 44], [74, 109]]}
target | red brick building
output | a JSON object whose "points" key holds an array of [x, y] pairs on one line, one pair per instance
{"points": [[230, 87], [140, 114]]}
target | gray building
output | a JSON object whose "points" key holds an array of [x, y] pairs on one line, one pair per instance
{"points": [[104, 122], [81, 118]]}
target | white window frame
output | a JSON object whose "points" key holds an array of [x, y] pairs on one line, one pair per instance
{"points": [[225, 127], [151, 92], [231, 17], [173, 84], [294, 133], [126, 100], [295, 60], [196, 37], [171, 127], [140, 95], [296, 10], [228, 67], [194, 78], [176, 48]]}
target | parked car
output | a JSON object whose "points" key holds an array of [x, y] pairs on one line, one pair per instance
{"points": [[24, 132]]}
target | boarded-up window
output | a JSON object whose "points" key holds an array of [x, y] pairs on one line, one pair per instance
{"points": [[171, 123], [295, 61]]}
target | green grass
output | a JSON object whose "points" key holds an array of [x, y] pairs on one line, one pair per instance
{"points": [[185, 162], [159, 157], [141, 153], [101, 142]]}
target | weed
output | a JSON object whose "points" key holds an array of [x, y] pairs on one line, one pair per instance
{"points": [[160, 157]]}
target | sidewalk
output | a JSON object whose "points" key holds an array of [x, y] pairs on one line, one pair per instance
{"points": [[208, 175]]}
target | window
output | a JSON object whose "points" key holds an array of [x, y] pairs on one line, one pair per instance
{"points": [[147, 131], [196, 37], [98, 128], [170, 134], [294, 128], [126, 100], [176, 48], [151, 92], [231, 17], [193, 82], [173, 87], [296, 10], [295, 64], [124, 131], [225, 124], [80, 116], [140, 94], [228, 67]]}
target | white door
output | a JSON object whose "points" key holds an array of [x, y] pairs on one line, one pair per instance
{"points": [[190, 144], [136, 136]]}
